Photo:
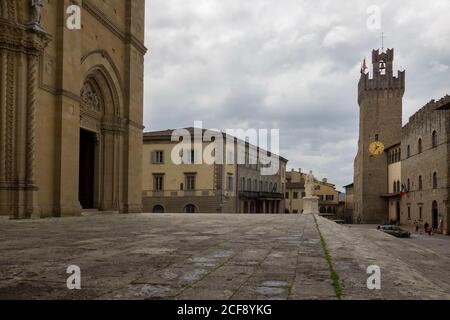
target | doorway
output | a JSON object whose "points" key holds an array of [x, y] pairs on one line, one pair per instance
{"points": [[397, 213], [435, 217], [87, 169]]}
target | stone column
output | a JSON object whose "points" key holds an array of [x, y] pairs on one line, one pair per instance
{"points": [[21, 47], [67, 116], [133, 108], [3, 75]]}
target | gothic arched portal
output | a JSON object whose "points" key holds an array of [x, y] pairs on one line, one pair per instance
{"points": [[101, 144]]}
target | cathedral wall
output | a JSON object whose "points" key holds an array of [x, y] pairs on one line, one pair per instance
{"points": [[109, 48]]}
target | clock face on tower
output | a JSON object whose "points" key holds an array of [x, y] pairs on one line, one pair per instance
{"points": [[376, 148]]}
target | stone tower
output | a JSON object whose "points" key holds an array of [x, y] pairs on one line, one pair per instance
{"points": [[380, 100], [71, 107]]}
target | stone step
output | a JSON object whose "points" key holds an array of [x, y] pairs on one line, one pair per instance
{"points": [[92, 212]]}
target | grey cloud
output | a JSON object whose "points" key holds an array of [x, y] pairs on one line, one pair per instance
{"points": [[289, 64]]}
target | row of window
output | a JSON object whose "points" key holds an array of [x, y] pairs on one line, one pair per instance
{"points": [[250, 161], [253, 186], [190, 182], [434, 143], [295, 195], [190, 208], [434, 184], [394, 156], [327, 210], [434, 216], [158, 157], [188, 185]]}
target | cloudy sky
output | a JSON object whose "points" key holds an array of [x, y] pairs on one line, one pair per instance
{"points": [[291, 65]]}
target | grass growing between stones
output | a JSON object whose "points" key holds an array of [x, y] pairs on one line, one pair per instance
{"points": [[333, 274]]}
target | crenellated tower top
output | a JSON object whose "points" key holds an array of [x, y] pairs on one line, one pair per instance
{"points": [[382, 76]]}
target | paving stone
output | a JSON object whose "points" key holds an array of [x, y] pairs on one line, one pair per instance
{"points": [[176, 256]]}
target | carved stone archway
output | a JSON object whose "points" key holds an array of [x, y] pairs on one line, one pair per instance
{"points": [[100, 115]]}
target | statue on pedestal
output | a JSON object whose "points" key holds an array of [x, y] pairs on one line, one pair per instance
{"points": [[309, 184], [310, 202]]}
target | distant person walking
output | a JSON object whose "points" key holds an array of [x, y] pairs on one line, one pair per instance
{"points": [[416, 225], [425, 227]]}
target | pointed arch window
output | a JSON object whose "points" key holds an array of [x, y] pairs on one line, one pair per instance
{"points": [[434, 139], [435, 180], [419, 146]]}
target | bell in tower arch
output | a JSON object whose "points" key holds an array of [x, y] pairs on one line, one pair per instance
{"points": [[382, 67]]}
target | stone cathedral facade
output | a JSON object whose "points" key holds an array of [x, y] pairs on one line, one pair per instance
{"points": [[71, 107]]}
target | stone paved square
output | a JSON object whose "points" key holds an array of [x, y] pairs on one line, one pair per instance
{"points": [[180, 256]]}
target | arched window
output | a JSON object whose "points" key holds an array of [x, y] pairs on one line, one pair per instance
{"points": [[261, 186], [434, 139], [409, 185], [158, 209], [395, 187], [408, 151], [435, 180], [249, 185], [420, 183], [419, 146], [398, 186], [190, 208]]}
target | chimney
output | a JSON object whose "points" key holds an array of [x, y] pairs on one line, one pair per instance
{"points": [[325, 180], [300, 170]]}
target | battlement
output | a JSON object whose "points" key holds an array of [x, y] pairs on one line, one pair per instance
{"points": [[382, 78], [428, 112]]}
